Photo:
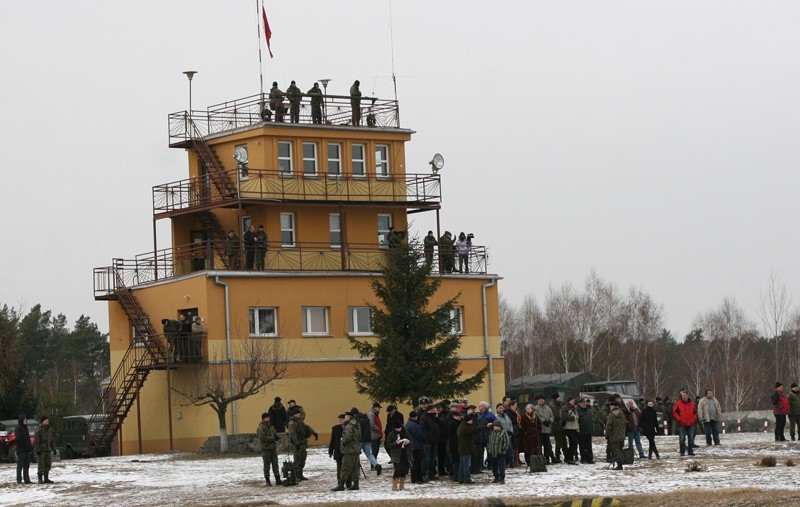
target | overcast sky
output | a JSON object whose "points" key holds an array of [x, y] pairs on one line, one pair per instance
{"points": [[655, 142]]}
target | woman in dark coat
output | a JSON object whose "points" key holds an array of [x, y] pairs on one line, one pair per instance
{"points": [[399, 445], [649, 426], [531, 431]]}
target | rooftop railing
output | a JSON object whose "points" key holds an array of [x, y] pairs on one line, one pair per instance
{"points": [[177, 261], [253, 110], [260, 184]]}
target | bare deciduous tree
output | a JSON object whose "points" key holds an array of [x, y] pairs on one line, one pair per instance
{"points": [[774, 313], [257, 363]]}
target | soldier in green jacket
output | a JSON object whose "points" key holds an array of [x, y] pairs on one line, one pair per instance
{"points": [[616, 428], [557, 429], [261, 247], [294, 95], [43, 440], [172, 329], [299, 432], [232, 250], [268, 436], [316, 104], [351, 448]]}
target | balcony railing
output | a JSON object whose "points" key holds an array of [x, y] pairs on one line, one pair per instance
{"points": [[336, 111], [260, 184], [181, 260]]}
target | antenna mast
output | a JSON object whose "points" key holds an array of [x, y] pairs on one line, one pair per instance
{"points": [[394, 77]]}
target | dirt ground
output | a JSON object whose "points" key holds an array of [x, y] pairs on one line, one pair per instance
{"points": [[729, 476]]}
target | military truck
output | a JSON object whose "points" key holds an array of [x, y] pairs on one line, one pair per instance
{"points": [[77, 433], [602, 391]]}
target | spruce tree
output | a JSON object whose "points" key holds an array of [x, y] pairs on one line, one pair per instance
{"points": [[415, 352]]}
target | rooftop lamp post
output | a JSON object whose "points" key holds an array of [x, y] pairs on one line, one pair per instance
{"points": [[190, 74], [324, 100]]}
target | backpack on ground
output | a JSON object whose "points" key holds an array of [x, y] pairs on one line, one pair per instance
{"points": [[627, 456], [538, 463]]}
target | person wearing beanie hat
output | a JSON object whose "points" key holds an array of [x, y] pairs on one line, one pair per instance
{"points": [[780, 408], [393, 418], [43, 441], [794, 411], [278, 415], [709, 412], [398, 444], [24, 449], [268, 437], [417, 442]]}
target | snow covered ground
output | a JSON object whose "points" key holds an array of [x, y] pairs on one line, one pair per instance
{"points": [[188, 478]]}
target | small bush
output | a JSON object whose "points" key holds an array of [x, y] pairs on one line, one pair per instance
{"points": [[789, 463], [767, 461], [695, 466]]}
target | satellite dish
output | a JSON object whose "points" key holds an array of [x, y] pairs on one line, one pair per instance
{"points": [[437, 163]]}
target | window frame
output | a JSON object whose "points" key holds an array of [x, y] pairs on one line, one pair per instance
{"points": [[338, 230], [243, 168], [362, 160], [382, 162], [314, 160], [305, 315], [457, 321], [385, 243], [352, 321], [288, 159], [292, 229], [252, 321], [338, 160]]}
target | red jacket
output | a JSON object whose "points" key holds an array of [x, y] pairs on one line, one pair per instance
{"points": [[684, 412], [780, 403]]}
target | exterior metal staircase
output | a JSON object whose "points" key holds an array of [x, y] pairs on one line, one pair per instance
{"points": [[145, 352], [216, 171], [216, 234]]}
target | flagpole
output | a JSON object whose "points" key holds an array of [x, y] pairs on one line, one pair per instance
{"points": [[260, 61]]}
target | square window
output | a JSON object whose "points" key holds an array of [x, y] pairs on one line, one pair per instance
{"points": [[384, 222], [315, 321], [263, 322], [381, 160], [334, 221], [309, 158], [287, 229], [360, 320], [285, 157], [334, 159], [358, 160]]}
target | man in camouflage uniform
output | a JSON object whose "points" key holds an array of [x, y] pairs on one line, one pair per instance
{"points": [[355, 103], [276, 96], [232, 250], [557, 429], [294, 95], [262, 245], [43, 440], [616, 427], [268, 436], [351, 449], [316, 104], [299, 432], [794, 411]]}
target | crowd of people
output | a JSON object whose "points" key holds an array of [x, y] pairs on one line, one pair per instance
{"points": [[458, 440], [450, 250], [184, 343]]}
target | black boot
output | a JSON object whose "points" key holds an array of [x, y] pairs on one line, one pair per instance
{"points": [[618, 467], [277, 480], [354, 486], [40, 479], [657, 456], [378, 469], [339, 487], [268, 483]]}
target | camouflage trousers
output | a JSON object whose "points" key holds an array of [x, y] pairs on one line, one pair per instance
{"points": [[299, 459], [270, 458], [616, 451], [349, 471], [44, 462]]}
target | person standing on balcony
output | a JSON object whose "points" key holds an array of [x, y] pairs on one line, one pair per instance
{"points": [[463, 245], [172, 329], [355, 103], [428, 245], [183, 340], [261, 247], [197, 329], [446, 249], [316, 104], [294, 95], [232, 250], [249, 247], [276, 96]]}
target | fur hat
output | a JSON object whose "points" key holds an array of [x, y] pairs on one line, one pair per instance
{"points": [[777, 385]]}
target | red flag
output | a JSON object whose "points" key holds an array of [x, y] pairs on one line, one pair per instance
{"points": [[267, 31]]}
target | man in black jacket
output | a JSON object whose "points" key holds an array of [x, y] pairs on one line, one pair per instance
{"points": [[334, 447], [394, 419], [430, 426], [24, 449], [277, 415]]}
